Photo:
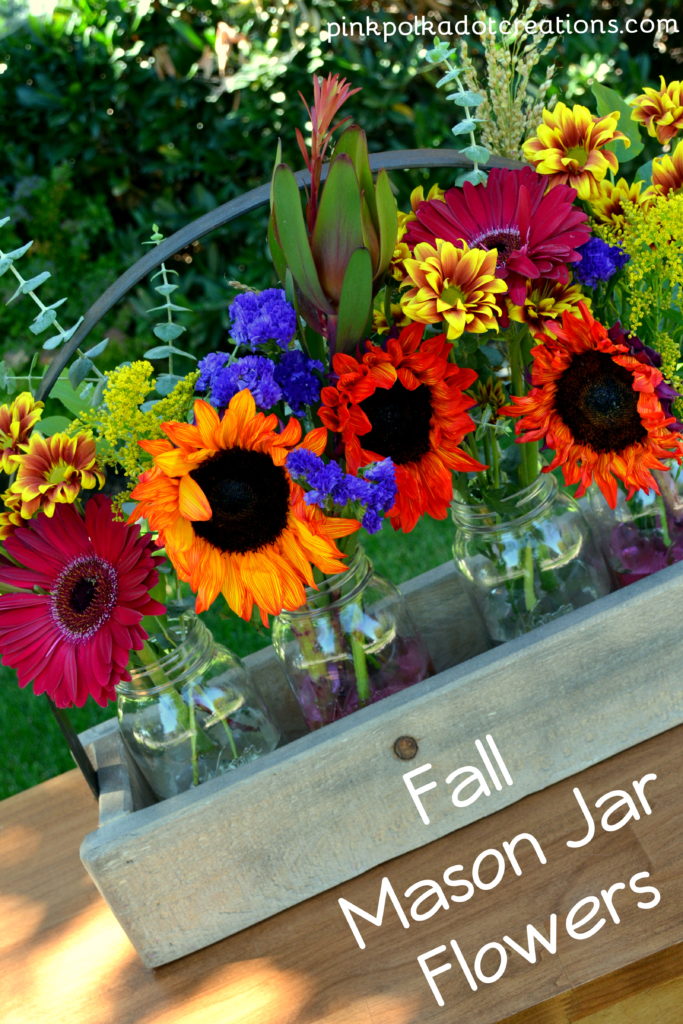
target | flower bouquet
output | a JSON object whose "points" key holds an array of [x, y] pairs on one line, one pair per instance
{"points": [[474, 356]]}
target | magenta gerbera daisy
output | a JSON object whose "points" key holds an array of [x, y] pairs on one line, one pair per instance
{"points": [[85, 589], [535, 235]]}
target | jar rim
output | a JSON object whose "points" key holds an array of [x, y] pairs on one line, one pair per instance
{"points": [[190, 650], [529, 502], [358, 560]]}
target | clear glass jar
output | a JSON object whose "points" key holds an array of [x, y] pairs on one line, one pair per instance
{"points": [[644, 534], [190, 711], [350, 645], [529, 557]]}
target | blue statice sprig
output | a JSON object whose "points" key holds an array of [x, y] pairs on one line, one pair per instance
{"points": [[599, 261], [328, 485], [257, 318], [294, 379]]}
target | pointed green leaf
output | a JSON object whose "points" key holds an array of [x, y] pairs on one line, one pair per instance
{"points": [[337, 233], [293, 237], [171, 306], [468, 124], [608, 101], [53, 425], [58, 339], [166, 289], [166, 382], [5, 264], [4, 220], [70, 398], [276, 253], [355, 304], [353, 143], [387, 219]]}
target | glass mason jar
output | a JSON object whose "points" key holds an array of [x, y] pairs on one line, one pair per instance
{"points": [[645, 533], [529, 557], [190, 711], [351, 644]]}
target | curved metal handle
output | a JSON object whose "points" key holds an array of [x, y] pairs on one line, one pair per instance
{"points": [[392, 160]]}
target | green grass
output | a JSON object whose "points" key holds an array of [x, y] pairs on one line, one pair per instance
{"points": [[34, 749]]}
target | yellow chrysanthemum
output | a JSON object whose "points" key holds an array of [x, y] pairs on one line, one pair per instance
{"points": [[569, 147], [660, 110], [547, 300], [10, 517], [401, 251], [380, 324], [17, 420], [456, 285], [667, 173], [52, 470], [611, 199]]}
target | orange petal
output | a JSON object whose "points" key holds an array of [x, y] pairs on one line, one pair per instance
{"points": [[192, 502]]}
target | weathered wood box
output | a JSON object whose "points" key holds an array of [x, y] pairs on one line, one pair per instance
{"points": [[328, 806]]}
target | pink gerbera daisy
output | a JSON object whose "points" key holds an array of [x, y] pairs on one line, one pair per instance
{"points": [[87, 583], [535, 235]]}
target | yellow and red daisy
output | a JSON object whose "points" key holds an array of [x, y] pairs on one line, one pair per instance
{"points": [[667, 173], [17, 420], [455, 285], [405, 402], [546, 300], [660, 110], [612, 198], [569, 147], [53, 470], [597, 405], [230, 517]]}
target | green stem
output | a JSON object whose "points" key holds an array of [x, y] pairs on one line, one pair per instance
{"points": [[530, 599], [360, 665], [193, 738]]}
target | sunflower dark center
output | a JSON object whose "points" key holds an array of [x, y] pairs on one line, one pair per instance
{"points": [[84, 596], [400, 421], [249, 499], [505, 240], [596, 400]]}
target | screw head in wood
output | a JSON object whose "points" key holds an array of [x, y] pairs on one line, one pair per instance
{"points": [[405, 748]]}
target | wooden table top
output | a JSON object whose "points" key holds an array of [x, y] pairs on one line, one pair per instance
{"points": [[64, 958]]}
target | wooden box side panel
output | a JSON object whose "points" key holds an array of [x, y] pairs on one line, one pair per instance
{"points": [[557, 701]]}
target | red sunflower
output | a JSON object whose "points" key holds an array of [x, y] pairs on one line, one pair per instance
{"points": [[405, 402], [599, 407]]}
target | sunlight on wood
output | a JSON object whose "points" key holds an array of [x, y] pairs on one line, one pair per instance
{"points": [[17, 844], [251, 992], [21, 919]]}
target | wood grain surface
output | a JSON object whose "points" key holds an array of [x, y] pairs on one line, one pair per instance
{"points": [[63, 957]]}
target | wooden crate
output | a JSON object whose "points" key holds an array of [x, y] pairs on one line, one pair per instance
{"points": [[329, 805]]}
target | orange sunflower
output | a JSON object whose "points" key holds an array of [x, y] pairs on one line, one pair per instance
{"points": [[660, 111], [570, 147], [228, 513], [405, 402], [596, 404]]}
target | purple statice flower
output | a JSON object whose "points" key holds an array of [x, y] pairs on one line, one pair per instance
{"points": [[208, 367], [644, 354], [259, 317], [298, 378], [599, 261], [375, 492], [253, 372]]}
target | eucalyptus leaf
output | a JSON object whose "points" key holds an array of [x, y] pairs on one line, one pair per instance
{"points": [[56, 340], [79, 370], [169, 305], [167, 332], [43, 320], [166, 289], [477, 177], [468, 124], [98, 349], [166, 382], [98, 393], [5, 264], [465, 98], [159, 352], [29, 286], [16, 254], [477, 154], [3, 221], [451, 76]]}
